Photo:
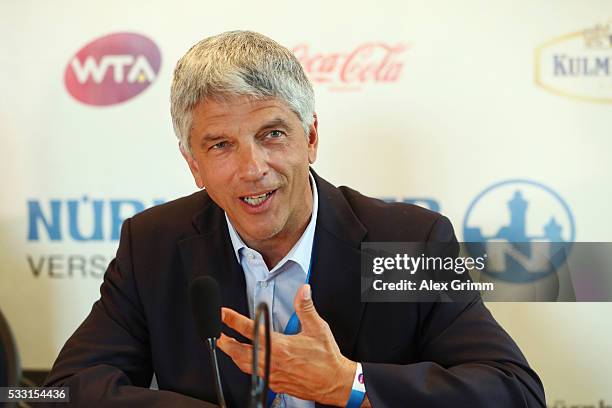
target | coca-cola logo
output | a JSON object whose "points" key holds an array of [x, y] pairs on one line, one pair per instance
{"points": [[366, 63], [112, 69]]}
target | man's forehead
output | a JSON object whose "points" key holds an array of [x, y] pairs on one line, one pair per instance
{"points": [[213, 110], [214, 120]]}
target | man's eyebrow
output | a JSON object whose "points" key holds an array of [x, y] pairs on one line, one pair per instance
{"points": [[211, 137], [276, 122]]}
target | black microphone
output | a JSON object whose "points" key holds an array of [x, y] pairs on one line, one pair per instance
{"points": [[259, 387], [205, 299]]}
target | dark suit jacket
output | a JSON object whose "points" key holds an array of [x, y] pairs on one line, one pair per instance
{"points": [[413, 354]]}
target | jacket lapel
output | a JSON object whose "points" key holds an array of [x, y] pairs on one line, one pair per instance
{"points": [[336, 274], [210, 253], [335, 279]]}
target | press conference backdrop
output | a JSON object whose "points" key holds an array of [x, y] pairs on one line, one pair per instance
{"points": [[484, 111]]}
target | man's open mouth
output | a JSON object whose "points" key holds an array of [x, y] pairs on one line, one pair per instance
{"points": [[257, 200]]}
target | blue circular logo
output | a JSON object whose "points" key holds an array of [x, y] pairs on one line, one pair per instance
{"points": [[524, 227]]}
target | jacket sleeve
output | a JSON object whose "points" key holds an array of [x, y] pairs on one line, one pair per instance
{"points": [[465, 359], [107, 361]]}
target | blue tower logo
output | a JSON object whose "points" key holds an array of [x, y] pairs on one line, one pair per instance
{"points": [[525, 228]]}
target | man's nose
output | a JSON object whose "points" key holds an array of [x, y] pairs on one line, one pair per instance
{"points": [[252, 162]]}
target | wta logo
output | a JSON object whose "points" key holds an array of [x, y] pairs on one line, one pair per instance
{"points": [[112, 69]]}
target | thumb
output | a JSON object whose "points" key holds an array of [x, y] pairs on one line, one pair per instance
{"points": [[304, 308]]}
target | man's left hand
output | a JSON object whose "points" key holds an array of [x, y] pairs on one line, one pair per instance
{"points": [[307, 365]]}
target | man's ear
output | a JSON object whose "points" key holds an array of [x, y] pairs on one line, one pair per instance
{"points": [[313, 140], [193, 166]]}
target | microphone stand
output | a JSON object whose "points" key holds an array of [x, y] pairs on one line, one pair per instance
{"points": [[259, 388], [212, 347]]}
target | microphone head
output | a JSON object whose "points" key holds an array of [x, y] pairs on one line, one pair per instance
{"points": [[205, 299]]}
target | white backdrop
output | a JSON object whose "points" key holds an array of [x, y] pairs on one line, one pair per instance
{"points": [[455, 97]]}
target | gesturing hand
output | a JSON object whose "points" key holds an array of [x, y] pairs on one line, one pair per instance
{"points": [[307, 365]]}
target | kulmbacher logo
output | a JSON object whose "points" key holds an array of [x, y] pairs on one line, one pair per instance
{"points": [[112, 69], [578, 65]]}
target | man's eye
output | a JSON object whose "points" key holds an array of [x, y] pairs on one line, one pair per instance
{"points": [[220, 145], [275, 134]]}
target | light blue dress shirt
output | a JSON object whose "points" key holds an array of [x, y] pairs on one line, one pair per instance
{"points": [[277, 287]]}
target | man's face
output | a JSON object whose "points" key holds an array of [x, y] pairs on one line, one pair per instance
{"points": [[252, 156]]}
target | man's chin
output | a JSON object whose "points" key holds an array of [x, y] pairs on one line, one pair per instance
{"points": [[263, 235], [259, 232]]}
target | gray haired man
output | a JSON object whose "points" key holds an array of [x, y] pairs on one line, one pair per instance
{"points": [[269, 229]]}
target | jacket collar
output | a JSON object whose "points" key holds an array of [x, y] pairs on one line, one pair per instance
{"points": [[337, 215]]}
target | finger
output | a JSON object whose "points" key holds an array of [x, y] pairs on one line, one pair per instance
{"points": [[238, 322], [309, 318], [242, 324], [240, 353]]}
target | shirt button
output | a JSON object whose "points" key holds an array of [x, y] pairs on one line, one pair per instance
{"points": [[251, 255], [263, 284]]}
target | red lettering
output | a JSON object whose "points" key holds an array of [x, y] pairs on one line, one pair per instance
{"points": [[369, 62]]}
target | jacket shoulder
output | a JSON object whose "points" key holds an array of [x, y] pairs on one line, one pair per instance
{"points": [[393, 221], [171, 218]]}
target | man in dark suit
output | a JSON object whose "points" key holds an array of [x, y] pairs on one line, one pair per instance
{"points": [[244, 114]]}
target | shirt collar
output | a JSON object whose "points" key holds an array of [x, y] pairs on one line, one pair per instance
{"points": [[301, 251]]}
